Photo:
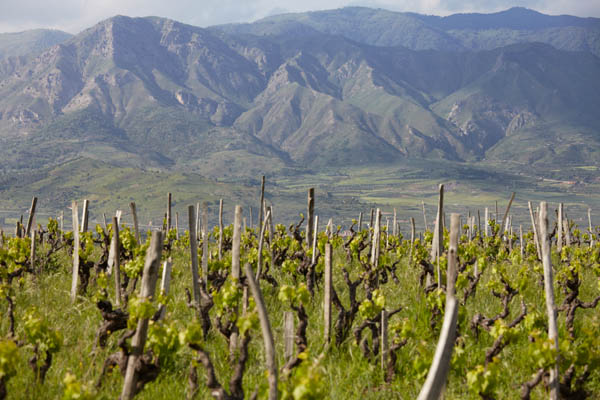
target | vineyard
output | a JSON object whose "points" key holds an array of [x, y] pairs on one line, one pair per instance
{"points": [[468, 308]]}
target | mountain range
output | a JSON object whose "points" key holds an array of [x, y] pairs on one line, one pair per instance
{"points": [[294, 92]]}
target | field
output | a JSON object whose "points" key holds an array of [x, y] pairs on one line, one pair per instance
{"points": [[52, 346]]}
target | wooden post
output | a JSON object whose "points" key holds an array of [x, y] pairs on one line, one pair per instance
{"points": [[261, 240], [395, 225], [387, 232], [424, 215], [32, 251], [165, 285], [235, 249], [567, 230], [327, 290], [104, 220], [205, 243], [288, 335], [549, 291], [503, 225], [194, 253], [311, 215], [271, 232], [375, 241], [559, 231], [267, 333], [116, 261], [478, 223], [149, 278], [487, 221], [371, 225], [176, 225], [412, 239], [521, 240], [220, 229], [360, 218], [262, 201], [436, 377], [384, 338], [198, 233], [536, 237], [135, 222], [75, 278], [85, 216], [590, 227], [314, 241], [169, 198], [31, 215], [437, 246]]}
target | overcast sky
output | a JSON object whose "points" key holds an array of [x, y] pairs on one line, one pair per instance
{"points": [[75, 15]]}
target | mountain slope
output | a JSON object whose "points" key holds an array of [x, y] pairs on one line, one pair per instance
{"points": [[30, 42], [422, 32], [230, 102]]}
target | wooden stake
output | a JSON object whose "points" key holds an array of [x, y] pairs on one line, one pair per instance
{"points": [[267, 333], [424, 215], [360, 218], [559, 231], [235, 250], [412, 239], [314, 241], [436, 377], [32, 252], [220, 229], [262, 201], [31, 215], [194, 253], [503, 225], [536, 237], [149, 278], [288, 335], [261, 240], [205, 242], [169, 197], [85, 216], [384, 338], [327, 290], [135, 222], [116, 261], [75, 278], [395, 225], [549, 291], [165, 285], [311, 215], [590, 227], [487, 221], [437, 246], [521, 240], [376, 239]]}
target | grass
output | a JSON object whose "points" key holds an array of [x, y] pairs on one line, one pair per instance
{"points": [[344, 372], [340, 193]]}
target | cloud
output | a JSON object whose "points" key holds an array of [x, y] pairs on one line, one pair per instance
{"points": [[76, 15]]}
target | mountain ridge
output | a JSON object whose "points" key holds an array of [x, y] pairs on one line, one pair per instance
{"points": [[176, 95]]}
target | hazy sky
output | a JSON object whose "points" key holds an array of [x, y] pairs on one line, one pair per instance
{"points": [[75, 15]]}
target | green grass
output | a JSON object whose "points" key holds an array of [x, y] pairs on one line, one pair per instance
{"points": [[345, 373]]}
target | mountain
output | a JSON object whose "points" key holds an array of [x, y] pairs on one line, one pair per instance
{"points": [[301, 92], [31, 41], [380, 27]]}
